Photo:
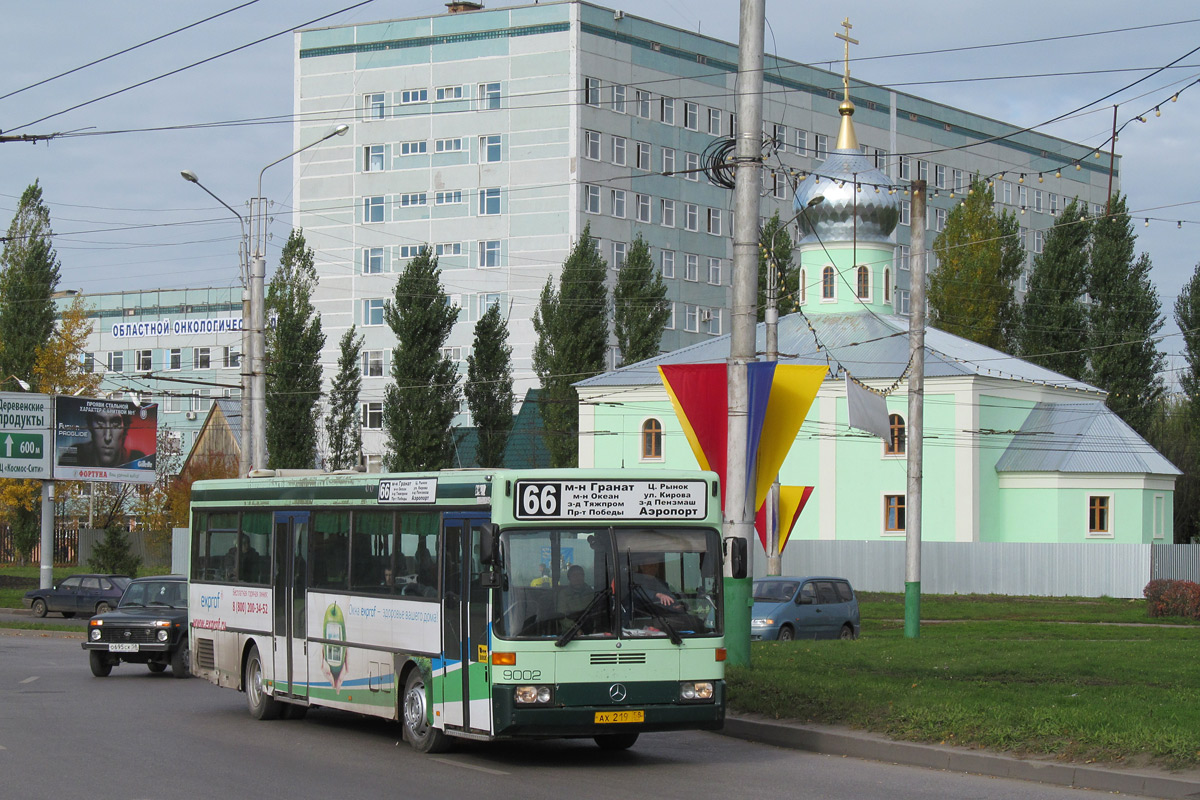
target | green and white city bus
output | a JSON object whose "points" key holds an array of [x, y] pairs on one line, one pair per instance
{"points": [[480, 604]]}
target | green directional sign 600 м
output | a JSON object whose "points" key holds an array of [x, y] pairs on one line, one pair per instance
{"points": [[22, 445]]}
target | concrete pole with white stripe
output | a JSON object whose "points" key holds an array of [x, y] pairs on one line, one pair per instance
{"points": [[916, 410]]}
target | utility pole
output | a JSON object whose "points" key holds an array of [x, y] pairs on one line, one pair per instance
{"points": [[916, 411], [739, 497]]}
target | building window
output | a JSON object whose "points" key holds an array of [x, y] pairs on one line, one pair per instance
{"points": [[618, 98], [232, 359], [714, 271], [864, 283], [1100, 515], [455, 353], [201, 358], [714, 121], [591, 199], [666, 110], [692, 168], [905, 212], [668, 160], [453, 145], [905, 168], [1053, 205], [447, 249], [1022, 196], [373, 158], [374, 106], [802, 142], [642, 103], [642, 207], [489, 202], [671, 319], [448, 93], [803, 287], [691, 216], [176, 358], [1037, 200], [828, 288], [667, 207], [668, 263], [414, 96], [448, 198], [923, 170], [412, 199], [1039, 239], [713, 320], [652, 433], [617, 203], [691, 117], [957, 185], [822, 147], [939, 219], [372, 363], [895, 445], [618, 257], [372, 416], [691, 267], [691, 318], [144, 357], [643, 156], [591, 145], [714, 221], [372, 312], [939, 176], [489, 253], [489, 149], [1160, 516], [414, 148], [902, 256], [591, 91], [408, 251], [373, 260], [887, 285], [373, 209], [171, 404], [489, 96], [618, 150], [893, 507]]}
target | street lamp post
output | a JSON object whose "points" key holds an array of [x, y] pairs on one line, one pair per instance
{"points": [[243, 258], [258, 273]]}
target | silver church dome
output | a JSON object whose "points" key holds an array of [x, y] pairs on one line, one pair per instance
{"points": [[833, 218]]}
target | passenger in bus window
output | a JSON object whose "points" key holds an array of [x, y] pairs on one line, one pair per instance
{"points": [[543, 578], [575, 596], [654, 588]]}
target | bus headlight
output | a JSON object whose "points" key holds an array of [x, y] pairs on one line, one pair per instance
{"points": [[696, 691], [527, 695], [94, 634]]}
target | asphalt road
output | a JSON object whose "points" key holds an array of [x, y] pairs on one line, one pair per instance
{"points": [[139, 735]]}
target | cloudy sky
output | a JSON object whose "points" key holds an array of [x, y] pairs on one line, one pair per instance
{"points": [[125, 219]]}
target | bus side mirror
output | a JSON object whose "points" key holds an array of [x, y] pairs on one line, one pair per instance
{"points": [[489, 545], [737, 557]]}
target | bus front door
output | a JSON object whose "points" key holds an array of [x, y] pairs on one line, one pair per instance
{"points": [[465, 688], [291, 618]]}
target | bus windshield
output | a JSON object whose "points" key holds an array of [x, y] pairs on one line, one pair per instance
{"points": [[603, 583]]}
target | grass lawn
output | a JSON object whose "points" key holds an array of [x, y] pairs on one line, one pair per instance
{"points": [[1016, 674], [15, 581]]}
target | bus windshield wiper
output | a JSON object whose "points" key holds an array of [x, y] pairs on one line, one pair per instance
{"points": [[571, 632]]}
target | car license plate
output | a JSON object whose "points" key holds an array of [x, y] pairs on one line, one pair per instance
{"points": [[608, 717], [122, 648]]}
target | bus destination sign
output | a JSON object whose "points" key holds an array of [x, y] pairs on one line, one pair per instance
{"points": [[617, 499], [408, 490]]}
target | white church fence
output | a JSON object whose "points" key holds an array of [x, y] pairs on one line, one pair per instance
{"points": [[1085, 569]]}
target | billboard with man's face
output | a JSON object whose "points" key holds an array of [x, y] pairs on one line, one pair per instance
{"points": [[104, 440]]}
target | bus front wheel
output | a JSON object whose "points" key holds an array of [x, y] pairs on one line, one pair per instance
{"points": [[616, 741], [261, 704], [423, 737]]}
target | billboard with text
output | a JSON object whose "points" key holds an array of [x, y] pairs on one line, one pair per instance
{"points": [[104, 440]]}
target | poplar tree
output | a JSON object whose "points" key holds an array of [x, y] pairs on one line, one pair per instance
{"points": [[775, 252], [29, 275], [293, 359], [343, 431], [572, 334], [489, 386], [1054, 330], [971, 291], [1124, 317], [640, 306], [1187, 317], [422, 399]]}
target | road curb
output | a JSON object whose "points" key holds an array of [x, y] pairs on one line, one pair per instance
{"points": [[873, 747]]}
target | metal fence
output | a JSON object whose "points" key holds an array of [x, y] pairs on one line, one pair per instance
{"points": [[73, 547], [1084, 569]]}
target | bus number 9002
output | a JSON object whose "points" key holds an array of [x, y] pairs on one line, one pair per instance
{"points": [[539, 499]]}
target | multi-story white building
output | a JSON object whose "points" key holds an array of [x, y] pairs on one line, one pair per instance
{"points": [[497, 135]]}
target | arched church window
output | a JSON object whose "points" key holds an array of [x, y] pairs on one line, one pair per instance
{"points": [[652, 439], [827, 285], [896, 442], [864, 283]]}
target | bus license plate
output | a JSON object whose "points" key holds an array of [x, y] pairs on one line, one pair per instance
{"points": [[122, 648], [606, 717]]}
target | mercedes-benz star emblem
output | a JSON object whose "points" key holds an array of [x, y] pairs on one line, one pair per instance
{"points": [[616, 692]]}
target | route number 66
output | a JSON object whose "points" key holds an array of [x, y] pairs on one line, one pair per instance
{"points": [[539, 499]]}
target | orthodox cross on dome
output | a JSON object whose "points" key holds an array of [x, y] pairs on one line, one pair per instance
{"points": [[845, 37]]}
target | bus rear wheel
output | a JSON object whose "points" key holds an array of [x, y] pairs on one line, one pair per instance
{"points": [[423, 737], [616, 741], [260, 704]]}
